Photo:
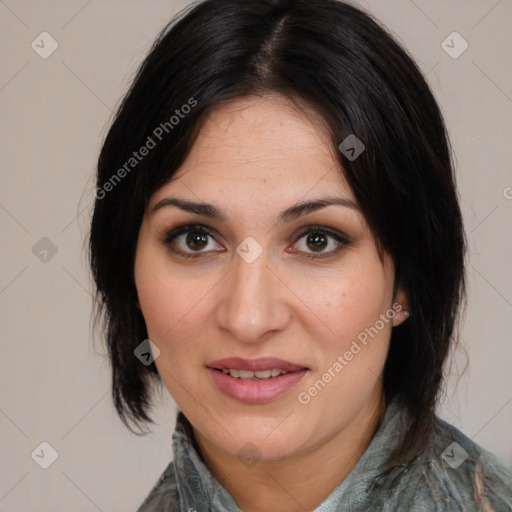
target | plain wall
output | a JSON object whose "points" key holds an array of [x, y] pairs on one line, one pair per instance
{"points": [[54, 386]]}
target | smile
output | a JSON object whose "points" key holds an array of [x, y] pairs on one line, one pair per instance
{"points": [[255, 380]]}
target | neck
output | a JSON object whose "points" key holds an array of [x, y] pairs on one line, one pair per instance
{"points": [[299, 482]]}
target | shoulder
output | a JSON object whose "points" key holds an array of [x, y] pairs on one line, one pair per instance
{"points": [[454, 474], [164, 496], [464, 462]]}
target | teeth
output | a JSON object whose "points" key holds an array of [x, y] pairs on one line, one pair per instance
{"points": [[248, 375]]}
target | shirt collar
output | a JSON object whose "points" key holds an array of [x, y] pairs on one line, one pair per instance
{"points": [[198, 489]]}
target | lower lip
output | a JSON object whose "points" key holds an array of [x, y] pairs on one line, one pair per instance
{"points": [[256, 391]]}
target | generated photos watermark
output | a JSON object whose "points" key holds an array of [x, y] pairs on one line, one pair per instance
{"points": [[305, 397], [454, 455], [152, 141]]}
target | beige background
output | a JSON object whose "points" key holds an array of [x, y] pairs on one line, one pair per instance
{"points": [[54, 386]]}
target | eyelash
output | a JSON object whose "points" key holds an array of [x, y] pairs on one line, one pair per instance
{"points": [[172, 234]]}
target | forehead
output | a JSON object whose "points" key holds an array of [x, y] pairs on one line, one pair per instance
{"points": [[267, 143]]}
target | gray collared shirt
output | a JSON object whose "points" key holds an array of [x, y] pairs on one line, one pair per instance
{"points": [[452, 474]]}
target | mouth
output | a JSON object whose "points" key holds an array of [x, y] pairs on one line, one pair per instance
{"points": [[255, 380], [248, 375]]}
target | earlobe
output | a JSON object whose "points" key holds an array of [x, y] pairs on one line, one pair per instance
{"points": [[401, 307], [401, 316]]}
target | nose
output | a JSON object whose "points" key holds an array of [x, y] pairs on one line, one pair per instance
{"points": [[253, 302]]}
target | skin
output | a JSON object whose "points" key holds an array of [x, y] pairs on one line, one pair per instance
{"points": [[253, 158]]}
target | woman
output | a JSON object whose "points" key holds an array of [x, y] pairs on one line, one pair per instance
{"points": [[276, 211]]}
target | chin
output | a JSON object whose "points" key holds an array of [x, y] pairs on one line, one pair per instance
{"points": [[263, 436]]}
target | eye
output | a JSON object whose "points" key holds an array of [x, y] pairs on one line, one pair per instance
{"points": [[191, 240], [320, 242]]}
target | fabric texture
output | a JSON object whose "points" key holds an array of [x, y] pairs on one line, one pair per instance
{"points": [[452, 474]]}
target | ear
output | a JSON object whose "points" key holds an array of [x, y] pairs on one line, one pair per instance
{"points": [[401, 307]]}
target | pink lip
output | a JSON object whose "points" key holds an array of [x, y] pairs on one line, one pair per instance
{"points": [[256, 391]]}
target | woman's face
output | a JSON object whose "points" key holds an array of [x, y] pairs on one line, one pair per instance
{"points": [[257, 250]]}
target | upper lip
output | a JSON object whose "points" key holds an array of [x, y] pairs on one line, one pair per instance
{"points": [[255, 365]]}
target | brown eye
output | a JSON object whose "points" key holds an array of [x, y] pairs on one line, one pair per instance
{"points": [[191, 241], [317, 241], [196, 240]]}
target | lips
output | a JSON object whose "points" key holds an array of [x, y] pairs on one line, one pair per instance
{"points": [[255, 390], [255, 365]]}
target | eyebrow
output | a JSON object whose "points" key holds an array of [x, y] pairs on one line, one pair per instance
{"points": [[293, 212]]}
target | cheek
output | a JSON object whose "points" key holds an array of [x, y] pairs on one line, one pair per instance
{"points": [[174, 305], [354, 348], [158, 300], [169, 308], [353, 354], [349, 301], [358, 304]]}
